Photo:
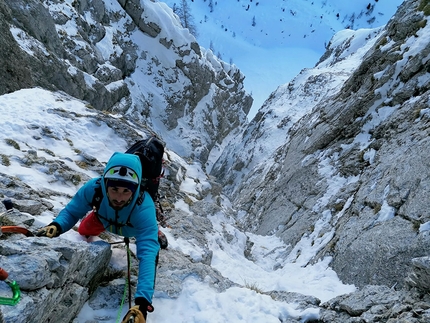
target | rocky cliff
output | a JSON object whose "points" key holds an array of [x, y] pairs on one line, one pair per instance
{"points": [[348, 174], [125, 56]]}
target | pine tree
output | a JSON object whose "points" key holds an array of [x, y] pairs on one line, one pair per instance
{"points": [[184, 13]]}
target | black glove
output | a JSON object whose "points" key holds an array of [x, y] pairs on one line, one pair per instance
{"points": [[51, 230], [144, 306]]}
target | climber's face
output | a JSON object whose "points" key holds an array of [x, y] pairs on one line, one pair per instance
{"points": [[119, 196]]}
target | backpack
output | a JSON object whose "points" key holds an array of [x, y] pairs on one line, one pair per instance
{"points": [[150, 152]]}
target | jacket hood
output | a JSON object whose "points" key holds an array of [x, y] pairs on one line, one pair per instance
{"points": [[123, 160]]}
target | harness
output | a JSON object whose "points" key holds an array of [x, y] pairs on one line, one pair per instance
{"points": [[97, 200]]}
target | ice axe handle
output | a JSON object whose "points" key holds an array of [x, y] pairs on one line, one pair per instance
{"points": [[16, 293]]}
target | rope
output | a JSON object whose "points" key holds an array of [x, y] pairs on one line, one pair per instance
{"points": [[127, 243], [127, 281], [118, 317]]}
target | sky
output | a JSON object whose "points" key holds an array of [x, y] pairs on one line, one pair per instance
{"points": [[202, 303], [288, 36]]}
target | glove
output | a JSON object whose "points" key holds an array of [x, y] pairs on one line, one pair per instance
{"points": [[134, 315], [162, 240], [52, 230], [144, 306]]}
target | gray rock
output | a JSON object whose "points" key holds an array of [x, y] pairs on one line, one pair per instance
{"points": [[419, 276], [374, 304], [55, 276]]}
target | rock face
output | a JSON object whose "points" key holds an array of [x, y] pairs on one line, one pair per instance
{"points": [[113, 53], [55, 277], [350, 180], [376, 304]]}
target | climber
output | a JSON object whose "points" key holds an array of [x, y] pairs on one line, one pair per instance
{"points": [[124, 210]]}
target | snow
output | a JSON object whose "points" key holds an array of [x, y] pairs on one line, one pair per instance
{"points": [[291, 101], [198, 302], [288, 36]]}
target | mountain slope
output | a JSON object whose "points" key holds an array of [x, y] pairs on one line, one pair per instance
{"points": [[347, 180], [344, 188], [274, 40], [128, 57], [288, 104]]}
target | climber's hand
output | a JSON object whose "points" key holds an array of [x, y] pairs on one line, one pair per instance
{"points": [[134, 315], [52, 230]]}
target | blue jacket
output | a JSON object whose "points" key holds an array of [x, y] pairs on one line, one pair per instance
{"points": [[143, 223]]}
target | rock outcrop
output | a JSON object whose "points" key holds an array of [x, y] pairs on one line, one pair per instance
{"points": [[122, 57], [56, 277], [350, 179]]}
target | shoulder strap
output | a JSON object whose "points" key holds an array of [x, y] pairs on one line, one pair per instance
{"points": [[98, 196], [141, 197]]}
